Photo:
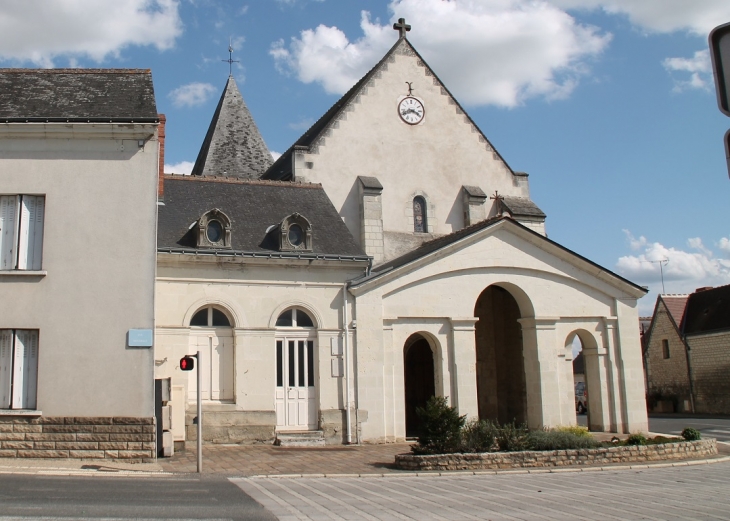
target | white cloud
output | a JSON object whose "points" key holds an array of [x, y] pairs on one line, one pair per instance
{"points": [[699, 68], [684, 271], [39, 31], [275, 155], [183, 167], [192, 94], [500, 52], [661, 16]]}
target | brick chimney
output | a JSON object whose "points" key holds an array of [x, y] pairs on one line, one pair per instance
{"points": [[704, 288], [161, 166]]}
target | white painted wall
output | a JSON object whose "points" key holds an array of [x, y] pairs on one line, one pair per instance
{"points": [[98, 262]]}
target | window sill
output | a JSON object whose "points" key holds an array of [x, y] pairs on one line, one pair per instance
{"points": [[19, 412], [21, 273]]}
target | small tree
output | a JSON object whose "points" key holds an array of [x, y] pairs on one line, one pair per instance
{"points": [[440, 427]]}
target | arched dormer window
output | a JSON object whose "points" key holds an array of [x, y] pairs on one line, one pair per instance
{"points": [[294, 317], [214, 230], [210, 317], [420, 219], [295, 234]]}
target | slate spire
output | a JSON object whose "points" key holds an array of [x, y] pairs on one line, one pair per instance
{"points": [[233, 146]]}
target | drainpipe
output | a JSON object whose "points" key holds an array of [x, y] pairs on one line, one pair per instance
{"points": [[689, 372], [347, 363]]}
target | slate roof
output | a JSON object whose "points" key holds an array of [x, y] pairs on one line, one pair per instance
{"points": [[233, 146], [282, 167], [253, 206], [77, 95], [707, 311], [474, 191], [445, 240], [521, 207]]}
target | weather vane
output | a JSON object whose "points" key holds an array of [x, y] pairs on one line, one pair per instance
{"points": [[230, 59]]}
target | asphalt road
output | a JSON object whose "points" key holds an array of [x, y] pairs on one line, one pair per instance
{"points": [[718, 428], [26, 497]]}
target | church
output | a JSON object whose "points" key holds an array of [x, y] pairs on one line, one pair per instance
{"points": [[389, 255]]}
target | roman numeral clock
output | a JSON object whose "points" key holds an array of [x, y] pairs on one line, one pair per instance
{"points": [[410, 109]]}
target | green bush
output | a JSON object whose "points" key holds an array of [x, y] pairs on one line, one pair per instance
{"points": [[691, 434], [559, 440], [440, 428], [478, 436], [577, 430], [636, 439], [512, 437]]}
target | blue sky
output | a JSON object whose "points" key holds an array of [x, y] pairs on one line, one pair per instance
{"points": [[609, 105]]}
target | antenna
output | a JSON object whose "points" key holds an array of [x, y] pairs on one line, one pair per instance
{"points": [[663, 262]]}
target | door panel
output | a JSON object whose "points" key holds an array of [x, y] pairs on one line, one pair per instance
{"points": [[216, 353], [295, 368]]}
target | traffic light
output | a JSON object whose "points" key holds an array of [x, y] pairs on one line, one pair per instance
{"points": [[187, 363]]}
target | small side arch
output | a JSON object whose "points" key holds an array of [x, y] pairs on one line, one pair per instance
{"points": [[234, 316], [311, 311]]}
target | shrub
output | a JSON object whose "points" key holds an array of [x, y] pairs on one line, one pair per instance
{"points": [[512, 437], [577, 430], [559, 440], [478, 436], [440, 428], [636, 439], [691, 434]]}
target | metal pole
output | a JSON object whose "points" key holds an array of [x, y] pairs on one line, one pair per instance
{"points": [[200, 414]]}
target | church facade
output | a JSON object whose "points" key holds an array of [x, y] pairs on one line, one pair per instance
{"points": [[332, 292]]}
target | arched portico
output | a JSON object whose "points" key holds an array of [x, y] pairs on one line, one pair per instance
{"points": [[594, 379], [419, 379]]}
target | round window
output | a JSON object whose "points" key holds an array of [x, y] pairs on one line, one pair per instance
{"points": [[296, 235], [214, 231]]}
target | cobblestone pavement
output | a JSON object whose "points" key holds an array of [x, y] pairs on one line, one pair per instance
{"points": [[251, 460], [657, 493]]}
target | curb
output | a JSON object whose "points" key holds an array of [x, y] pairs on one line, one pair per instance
{"points": [[60, 471], [555, 470]]}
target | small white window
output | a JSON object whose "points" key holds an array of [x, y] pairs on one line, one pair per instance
{"points": [[21, 231], [18, 368]]}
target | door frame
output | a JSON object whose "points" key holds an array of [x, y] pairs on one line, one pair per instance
{"points": [[292, 334]]}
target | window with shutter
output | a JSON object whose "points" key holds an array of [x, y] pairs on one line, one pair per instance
{"points": [[18, 368], [21, 231]]}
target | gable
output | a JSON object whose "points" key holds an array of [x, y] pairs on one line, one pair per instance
{"points": [[363, 135]]}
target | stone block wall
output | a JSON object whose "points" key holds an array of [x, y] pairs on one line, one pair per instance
{"points": [[117, 438], [667, 378], [559, 458], [710, 359]]}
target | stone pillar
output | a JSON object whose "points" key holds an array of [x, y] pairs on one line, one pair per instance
{"points": [[598, 387], [541, 371], [371, 217], [473, 199], [613, 376], [464, 366], [629, 358], [566, 385]]}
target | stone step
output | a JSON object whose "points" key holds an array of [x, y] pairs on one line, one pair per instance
{"points": [[300, 439]]}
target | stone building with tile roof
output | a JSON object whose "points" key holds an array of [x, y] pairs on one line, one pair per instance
{"points": [[368, 269]]}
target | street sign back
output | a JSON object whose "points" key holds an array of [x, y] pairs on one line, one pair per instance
{"points": [[720, 51]]}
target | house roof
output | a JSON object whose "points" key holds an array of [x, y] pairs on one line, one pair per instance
{"points": [[77, 95], [707, 311], [282, 167], [521, 207], [675, 305], [442, 242], [253, 206], [233, 146]]}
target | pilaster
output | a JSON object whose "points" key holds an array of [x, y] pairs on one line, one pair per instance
{"points": [[371, 217], [464, 365], [541, 371]]}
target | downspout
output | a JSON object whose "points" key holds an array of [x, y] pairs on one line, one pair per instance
{"points": [[347, 362], [689, 371]]}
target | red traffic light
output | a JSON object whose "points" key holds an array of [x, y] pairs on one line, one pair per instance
{"points": [[187, 363]]}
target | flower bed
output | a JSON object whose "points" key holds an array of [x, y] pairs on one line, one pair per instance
{"points": [[558, 458]]}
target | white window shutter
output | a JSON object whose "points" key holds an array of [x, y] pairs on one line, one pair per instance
{"points": [[25, 369], [9, 209], [31, 232], [6, 364]]}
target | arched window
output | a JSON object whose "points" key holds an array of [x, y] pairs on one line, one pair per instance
{"points": [[294, 318], [420, 223], [210, 317]]}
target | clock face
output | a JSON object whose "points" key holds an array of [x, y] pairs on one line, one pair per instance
{"points": [[411, 110]]}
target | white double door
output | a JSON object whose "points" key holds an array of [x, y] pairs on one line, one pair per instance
{"points": [[216, 353], [296, 407]]}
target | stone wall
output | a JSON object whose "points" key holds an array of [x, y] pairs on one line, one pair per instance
{"points": [[710, 358], [558, 458], [122, 438]]}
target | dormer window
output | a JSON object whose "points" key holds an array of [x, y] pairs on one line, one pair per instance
{"points": [[295, 234], [214, 230]]}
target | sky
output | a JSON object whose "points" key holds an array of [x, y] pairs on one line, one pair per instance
{"points": [[608, 105]]}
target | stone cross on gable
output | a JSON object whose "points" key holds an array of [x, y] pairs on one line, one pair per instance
{"points": [[402, 27]]}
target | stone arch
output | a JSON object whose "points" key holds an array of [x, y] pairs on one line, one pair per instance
{"points": [[590, 378], [501, 378], [230, 311], [419, 377], [311, 311]]}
